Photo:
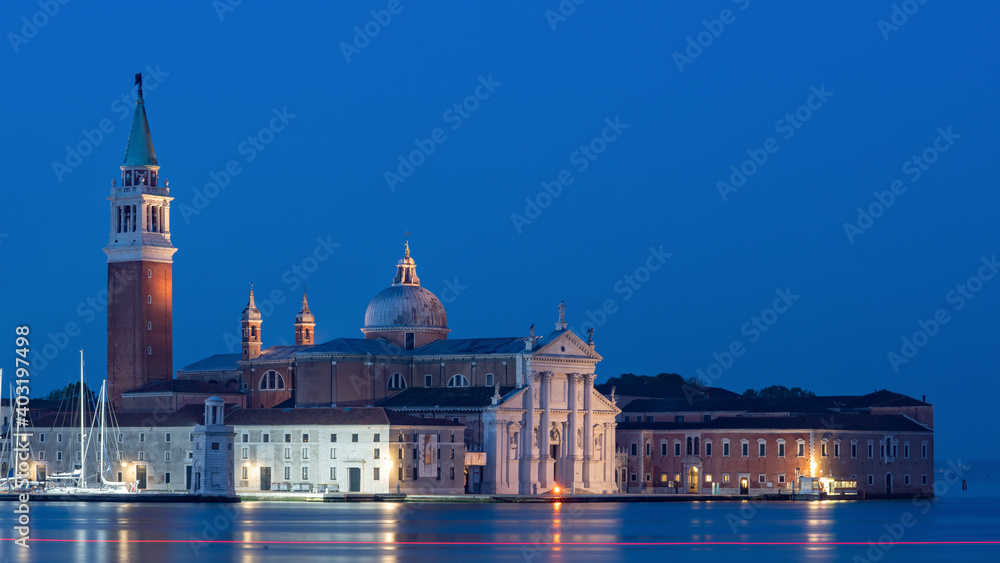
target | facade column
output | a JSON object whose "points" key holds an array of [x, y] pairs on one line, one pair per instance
{"points": [[610, 455], [528, 457], [563, 454], [494, 455], [574, 457], [545, 462], [588, 428]]}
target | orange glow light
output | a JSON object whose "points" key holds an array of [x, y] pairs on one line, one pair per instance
{"points": [[556, 489]]}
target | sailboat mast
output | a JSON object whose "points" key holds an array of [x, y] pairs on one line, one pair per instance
{"points": [[100, 451], [83, 457]]}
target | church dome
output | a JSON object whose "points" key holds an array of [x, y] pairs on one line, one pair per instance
{"points": [[405, 305]]}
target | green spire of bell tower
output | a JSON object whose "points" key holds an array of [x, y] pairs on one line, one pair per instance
{"points": [[139, 151]]}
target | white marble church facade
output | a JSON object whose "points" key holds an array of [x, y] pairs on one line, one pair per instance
{"points": [[554, 429]]}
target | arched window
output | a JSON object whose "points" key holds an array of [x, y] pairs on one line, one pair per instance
{"points": [[307, 334], [272, 380], [458, 380], [397, 381], [253, 331]]}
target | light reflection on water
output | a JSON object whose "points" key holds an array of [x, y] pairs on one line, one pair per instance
{"points": [[255, 527]]}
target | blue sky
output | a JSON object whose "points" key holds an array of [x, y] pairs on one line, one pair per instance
{"points": [[644, 230]]}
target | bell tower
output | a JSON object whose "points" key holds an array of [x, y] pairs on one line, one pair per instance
{"points": [[140, 255], [250, 322], [305, 324]]}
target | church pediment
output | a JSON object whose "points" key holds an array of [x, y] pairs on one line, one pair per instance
{"points": [[567, 344]]}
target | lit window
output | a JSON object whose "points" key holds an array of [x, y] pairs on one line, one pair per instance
{"points": [[725, 477]]}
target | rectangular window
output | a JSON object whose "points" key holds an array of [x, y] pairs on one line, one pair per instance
{"points": [[923, 479], [871, 479], [489, 382], [305, 473], [166, 456], [822, 448], [142, 436], [288, 453], [354, 437], [333, 437], [634, 477], [288, 473], [376, 474], [305, 453], [677, 448], [333, 473], [246, 453], [166, 478], [854, 450], [215, 445], [288, 437], [801, 452], [663, 449], [906, 479], [881, 450], [245, 473], [745, 449], [923, 451], [906, 451], [267, 438], [142, 455], [305, 437], [781, 478], [725, 449], [706, 418], [439, 473], [453, 473], [378, 438], [781, 449], [41, 456], [761, 449], [626, 418], [725, 477], [649, 418], [678, 418], [58, 456], [761, 478], [871, 450], [41, 437], [377, 452], [635, 448], [58, 436], [708, 448], [428, 380], [333, 453], [648, 448], [836, 450], [166, 437]]}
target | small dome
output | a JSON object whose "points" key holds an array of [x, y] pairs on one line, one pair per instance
{"points": [[405, 306], [251, 312], [304, 315]]}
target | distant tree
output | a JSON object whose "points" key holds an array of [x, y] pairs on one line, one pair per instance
{"points": [[778, 392], [72, 392]]}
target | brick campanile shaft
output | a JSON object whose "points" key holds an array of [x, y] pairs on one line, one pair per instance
{"points": [[140, 254]]}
